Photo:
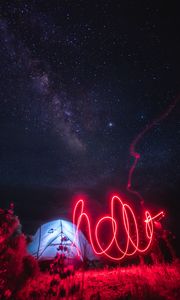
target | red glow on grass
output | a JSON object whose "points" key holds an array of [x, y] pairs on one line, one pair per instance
{"points": [[129, 225]]}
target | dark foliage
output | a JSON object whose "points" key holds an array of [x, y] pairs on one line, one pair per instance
{"points": [[16, 265]]}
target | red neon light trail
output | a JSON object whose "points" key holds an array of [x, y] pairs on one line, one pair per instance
{"points": [[132, 243], [137, 139], [129, 220]]}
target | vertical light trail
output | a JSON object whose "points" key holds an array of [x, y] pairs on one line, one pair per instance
{"points": [[136, 155]]}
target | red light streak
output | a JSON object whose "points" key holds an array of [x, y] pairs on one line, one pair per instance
{"points": [[129, 221], [137, 139]]}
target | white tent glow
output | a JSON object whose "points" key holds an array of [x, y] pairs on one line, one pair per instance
{"points": [[58, 236]]}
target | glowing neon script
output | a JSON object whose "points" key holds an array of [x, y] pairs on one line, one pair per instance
{"points": [[129, 223]]}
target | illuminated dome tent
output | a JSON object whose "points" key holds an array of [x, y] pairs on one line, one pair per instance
{"points": [[59, 237]]}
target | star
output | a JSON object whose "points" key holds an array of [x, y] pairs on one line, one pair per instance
{"points": [[110, 124], [75, 93]]}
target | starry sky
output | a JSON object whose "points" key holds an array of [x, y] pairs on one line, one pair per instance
{"points": [[79, 81]]}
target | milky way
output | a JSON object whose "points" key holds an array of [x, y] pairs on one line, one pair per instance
{"points": [[77, 85]]}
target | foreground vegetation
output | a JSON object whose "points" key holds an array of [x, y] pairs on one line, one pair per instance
{"points": [[21, 278], [135, 282]]}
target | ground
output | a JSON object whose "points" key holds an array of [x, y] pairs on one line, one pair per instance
{"points": [[155, 282]]}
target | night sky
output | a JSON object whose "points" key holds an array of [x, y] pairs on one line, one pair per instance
{"points": [[78, 81]]}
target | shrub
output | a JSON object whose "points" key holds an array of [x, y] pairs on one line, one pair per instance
{"points": [[16, 265]]}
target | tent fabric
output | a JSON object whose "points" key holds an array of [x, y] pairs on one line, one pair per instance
{"points": [[54, 236]]}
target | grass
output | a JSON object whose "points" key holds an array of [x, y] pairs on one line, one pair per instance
{"points": [[154, 282]]}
